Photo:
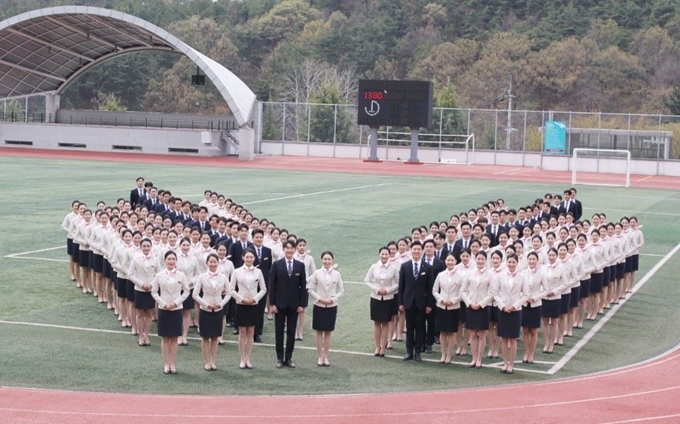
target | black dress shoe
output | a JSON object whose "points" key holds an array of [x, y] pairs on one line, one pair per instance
{"points": [[290, 364], [279, 364], [408, 357], [417, 357], [436, 340], [235, 332], [428, 349], [258, 339]]}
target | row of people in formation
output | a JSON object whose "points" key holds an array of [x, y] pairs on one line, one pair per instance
{"points": [[140, 271], [452, 287]]}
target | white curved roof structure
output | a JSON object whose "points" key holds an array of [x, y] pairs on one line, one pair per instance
{"points": [[44, 50]]}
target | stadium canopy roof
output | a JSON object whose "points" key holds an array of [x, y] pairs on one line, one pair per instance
{"points": [[44, 50]]}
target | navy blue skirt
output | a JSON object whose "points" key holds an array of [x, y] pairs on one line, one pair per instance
{"points": [[606, 278], [636, 262], [585, 289], [323, 319], [107, 271], [493, 317], [75, 252], [189, 302], [69, 246], [98, 263], [447, 319], [629, 264], [509, 324], [121, 287], [381, 310], [564, 303], [84, 258], [550, 308], [169, 323], [144, 300], [246, 315], [479, 319], [531, 317], [130, 290], [575, 297], [210, 324], [620, 270], [596, 281], [462, 312]]}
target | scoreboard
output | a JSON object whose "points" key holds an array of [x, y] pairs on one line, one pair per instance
{"points": [[395, 103]]}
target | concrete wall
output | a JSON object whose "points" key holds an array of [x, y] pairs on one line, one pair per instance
{"points": [[487, 157], [103, 139]]}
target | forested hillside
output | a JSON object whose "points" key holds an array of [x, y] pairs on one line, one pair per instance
{"points": [[593, 55]]}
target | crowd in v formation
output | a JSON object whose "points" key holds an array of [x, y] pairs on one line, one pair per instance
{"points": [[486, 272]]}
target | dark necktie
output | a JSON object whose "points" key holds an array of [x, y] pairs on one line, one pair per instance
{"points": [[245, 246], [415, 269], [290, 268], [259, 253]]}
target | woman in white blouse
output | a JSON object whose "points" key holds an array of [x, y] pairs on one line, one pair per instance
{"points": [[247, 287], [585, 255], [169, 289], [383, 281], [143, 269], [302, 255], [446, 291], [570, 277], [531, 313], [211, 294], [600, 261], [477, 294], [399, 320], [555, 284], [325, 287], [462, 340], [511, 290], [188, 265], [638, 241]]}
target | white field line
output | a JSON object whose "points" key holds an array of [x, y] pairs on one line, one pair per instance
{"points": [[346, 352], [316, 193], [34, 251], [645, 419], [507, 171], [591, 333], [38, 259]]}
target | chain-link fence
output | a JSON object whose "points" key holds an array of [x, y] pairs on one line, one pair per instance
{"points": [[646, 136]]}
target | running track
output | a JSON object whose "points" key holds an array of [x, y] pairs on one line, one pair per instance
{"points": [[648, 392]]}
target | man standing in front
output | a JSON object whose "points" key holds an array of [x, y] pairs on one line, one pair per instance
{"points": [[415, 299], [287, 293]]}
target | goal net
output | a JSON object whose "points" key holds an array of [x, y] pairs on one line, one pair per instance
{"points": [[452, 149], [601, 167]]}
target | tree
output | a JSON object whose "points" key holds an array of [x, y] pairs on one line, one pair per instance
{"points": [[109, 102]]}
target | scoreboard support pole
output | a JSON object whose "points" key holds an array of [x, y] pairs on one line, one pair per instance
{"points": [[373, 147], [414, 147]]}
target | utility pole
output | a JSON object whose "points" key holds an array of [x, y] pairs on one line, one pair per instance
{"points": [[509, 130]]}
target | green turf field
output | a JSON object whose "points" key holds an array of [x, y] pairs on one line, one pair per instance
{"points": [[352, 215]]}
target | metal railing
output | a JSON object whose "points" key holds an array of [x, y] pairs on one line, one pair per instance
{"points": [[284, 122], [130, 122]]}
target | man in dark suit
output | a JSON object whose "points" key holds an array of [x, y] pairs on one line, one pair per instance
{"points": [[231, 236], [137, 194], [263, 260], [464, 241], [287, 294], [578, 209], [415, 299], [450, 245], [494, 228], [237, 248], [432, 330], [202, 223], [152, 201]]}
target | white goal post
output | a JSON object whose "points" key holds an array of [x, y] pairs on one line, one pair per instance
{"points": [[452, 149], [601, 167]]}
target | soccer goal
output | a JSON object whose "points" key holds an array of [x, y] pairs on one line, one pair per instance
{"points": [[452, 149], [600, 167]]}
